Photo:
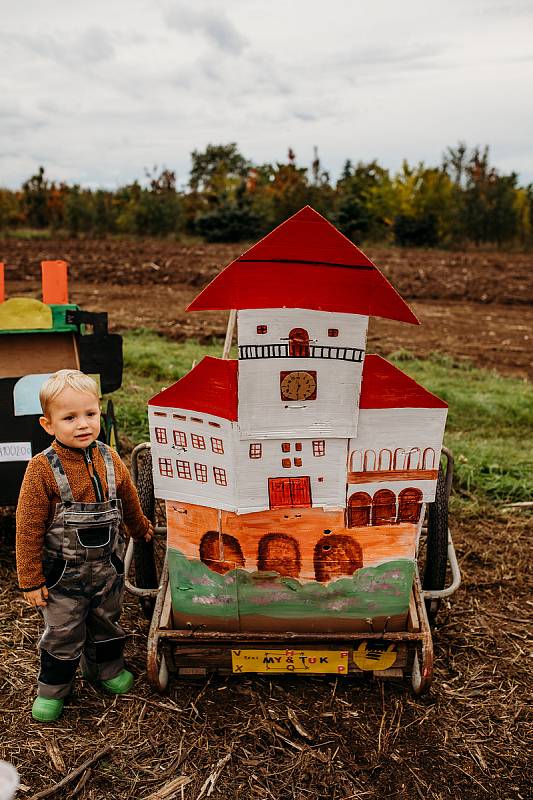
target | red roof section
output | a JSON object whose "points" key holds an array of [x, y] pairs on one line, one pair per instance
{"points": [[385, 386], [211, 387], [305, 263]]}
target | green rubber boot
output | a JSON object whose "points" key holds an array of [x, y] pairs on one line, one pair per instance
{"points": [[45, 709], [120, 684]]}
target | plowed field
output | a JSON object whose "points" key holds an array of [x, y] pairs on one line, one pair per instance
{"points": [[471, 305]]}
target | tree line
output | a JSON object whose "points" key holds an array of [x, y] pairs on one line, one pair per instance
{"points": [[229, 198]]}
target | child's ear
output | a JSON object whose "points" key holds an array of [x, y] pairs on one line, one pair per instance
{"points": [[46, 424]]}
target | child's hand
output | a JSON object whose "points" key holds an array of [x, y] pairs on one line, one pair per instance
{"points": [[149, 535], [37, 597]]}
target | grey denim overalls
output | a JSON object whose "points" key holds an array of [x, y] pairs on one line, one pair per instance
{"points": [[83, 567]]}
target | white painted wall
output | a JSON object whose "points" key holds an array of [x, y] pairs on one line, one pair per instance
{"points": [[333, 414], [193, 491], [253, 474], [398, 428]]}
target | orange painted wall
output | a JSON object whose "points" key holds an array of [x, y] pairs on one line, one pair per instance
{"points": [[187, 523]]}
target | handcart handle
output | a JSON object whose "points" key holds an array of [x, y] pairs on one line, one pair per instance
{"points": [[136, 590], [437, 594]]}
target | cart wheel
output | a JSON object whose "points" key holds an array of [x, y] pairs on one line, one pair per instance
{"points": [[436, 544], [148, 557]]}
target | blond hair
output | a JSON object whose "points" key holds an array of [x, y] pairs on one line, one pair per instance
{"points": [[62, 379]]}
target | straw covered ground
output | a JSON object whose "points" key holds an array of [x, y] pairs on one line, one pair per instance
{"points": [[298, 739]]}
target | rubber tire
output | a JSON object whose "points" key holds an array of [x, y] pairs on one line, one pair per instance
{"points": [[436, 544], [146, 576]]}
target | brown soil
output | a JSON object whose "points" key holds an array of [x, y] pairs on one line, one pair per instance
{"points": [[471, 305], [311, 738]]}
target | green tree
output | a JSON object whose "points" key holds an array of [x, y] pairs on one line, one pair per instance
{"points": [[35, 195]]}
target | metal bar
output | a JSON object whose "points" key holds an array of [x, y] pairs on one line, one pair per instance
{"points": [[437, 594], [156, 666]]}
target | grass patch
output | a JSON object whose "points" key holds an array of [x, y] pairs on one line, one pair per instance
{"points": [[489, 422]]}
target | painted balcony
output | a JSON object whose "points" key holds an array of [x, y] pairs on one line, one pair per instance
{"points": [[281, 350]]}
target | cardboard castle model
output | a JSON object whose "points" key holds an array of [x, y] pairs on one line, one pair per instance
{"points": [[295, 478]]}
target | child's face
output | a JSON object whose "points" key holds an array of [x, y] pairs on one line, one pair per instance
{"points": [[73, 417]]}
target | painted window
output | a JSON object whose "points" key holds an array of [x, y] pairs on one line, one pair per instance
{"points": [[165, 467], [285, 462], [409, 505], [216, 445], [399, 458], [319, 447], [299, 343], [180, 438], [356, 461], [262, 329], [201, 472], [161, 435], [384, 507], [197, 419], [298, 447], [179, 416], [385, 459], [220, 476], [256, 450], [369, 461], [285, 447], [184, 470], [359, 506], [413, 458], [333, 331], [297, 462], [214, 424], [428, 459], [197, 441], [159, 414]]}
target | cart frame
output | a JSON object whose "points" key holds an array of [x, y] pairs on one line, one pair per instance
{"points": [[174, 650]]}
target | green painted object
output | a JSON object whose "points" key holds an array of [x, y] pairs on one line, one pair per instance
{"points": [[370, 593]]}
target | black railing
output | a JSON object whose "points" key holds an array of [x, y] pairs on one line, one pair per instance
{"points": [[247, 351]]}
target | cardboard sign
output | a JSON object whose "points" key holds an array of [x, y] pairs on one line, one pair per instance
{"points": [[15, 451], [297, 661]]}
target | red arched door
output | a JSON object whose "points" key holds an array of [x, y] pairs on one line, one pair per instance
{"points": [[359, 506], [409, 505], [299, 343], [384, 507]]}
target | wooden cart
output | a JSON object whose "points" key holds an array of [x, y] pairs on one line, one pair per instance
{"points": [[196, 652]]}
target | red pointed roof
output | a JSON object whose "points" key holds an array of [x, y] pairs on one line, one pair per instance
{"points": [[385, 386], [211, 387], [305, 263]]}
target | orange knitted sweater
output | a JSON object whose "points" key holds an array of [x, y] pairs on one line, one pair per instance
{"points": [[39, 495]]}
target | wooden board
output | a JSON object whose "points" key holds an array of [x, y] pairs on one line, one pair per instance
{"points": [[37, 353]]}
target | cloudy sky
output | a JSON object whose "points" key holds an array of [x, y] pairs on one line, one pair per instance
{"points": [[98, 91]]}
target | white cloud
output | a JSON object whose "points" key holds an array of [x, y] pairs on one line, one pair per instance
{"points": [[104, 89], [209, 20]]}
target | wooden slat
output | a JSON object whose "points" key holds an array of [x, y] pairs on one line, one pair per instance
{"points": [[413, 622]]}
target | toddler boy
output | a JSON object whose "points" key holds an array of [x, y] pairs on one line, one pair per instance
{"points": [[70, 548]]}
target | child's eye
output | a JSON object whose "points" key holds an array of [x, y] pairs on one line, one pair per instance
{"points": [[69, 417]]}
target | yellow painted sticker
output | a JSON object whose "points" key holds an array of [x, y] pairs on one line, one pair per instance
{"points": [[300, 661], [375, 655]]}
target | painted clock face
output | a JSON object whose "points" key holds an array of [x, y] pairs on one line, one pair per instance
{"points": [[298, 385]]}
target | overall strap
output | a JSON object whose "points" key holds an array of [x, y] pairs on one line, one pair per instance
{"points": [[63, 485], [110, 469]]}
